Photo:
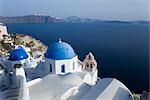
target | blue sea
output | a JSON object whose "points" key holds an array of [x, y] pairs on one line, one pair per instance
{"points": [[121, 49]]}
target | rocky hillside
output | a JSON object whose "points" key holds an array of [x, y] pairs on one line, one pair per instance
{"points": [[8, 43]]}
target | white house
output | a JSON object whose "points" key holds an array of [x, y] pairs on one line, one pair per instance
{"points": [[18, 56], [3, 30]]}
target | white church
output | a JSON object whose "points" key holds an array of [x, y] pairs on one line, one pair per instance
{"points": [[59, 76], [61, 59]]}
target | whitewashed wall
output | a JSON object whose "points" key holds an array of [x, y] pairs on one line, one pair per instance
{"points": [[3, 31], [71, 65]]}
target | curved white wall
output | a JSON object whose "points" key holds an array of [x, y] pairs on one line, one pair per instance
{"points": [[71, 65]]}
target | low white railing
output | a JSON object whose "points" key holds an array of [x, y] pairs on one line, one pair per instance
{"points": [[23, 90]]}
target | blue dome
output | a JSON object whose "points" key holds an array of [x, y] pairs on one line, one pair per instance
{"points": [[18, 54], [59, 51]]}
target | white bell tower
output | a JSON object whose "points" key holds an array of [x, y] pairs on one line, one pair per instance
{"points": [[90, 65]]}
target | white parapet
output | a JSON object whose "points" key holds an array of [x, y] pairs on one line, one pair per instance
{"points": [[23, 90], [3, 30]]}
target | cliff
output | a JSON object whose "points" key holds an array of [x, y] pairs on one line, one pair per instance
{"points": [[8, 43], [31, 19], [52, 19]]}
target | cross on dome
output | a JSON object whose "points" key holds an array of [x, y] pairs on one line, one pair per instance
{"points": [[60, 40]]}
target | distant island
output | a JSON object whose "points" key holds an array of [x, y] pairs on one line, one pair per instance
{"points": [[52, 19]]}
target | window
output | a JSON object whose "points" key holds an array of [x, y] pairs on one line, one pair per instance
{"points": [[63, 68], [87, 65], [17, 66], [50, 68], [91, 65]]}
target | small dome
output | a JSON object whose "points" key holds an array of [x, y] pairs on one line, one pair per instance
{"points": [[59, 51], [18, 54]]}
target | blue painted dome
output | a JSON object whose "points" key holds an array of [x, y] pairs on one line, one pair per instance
{"points": [[59, 51], [18, 54]]}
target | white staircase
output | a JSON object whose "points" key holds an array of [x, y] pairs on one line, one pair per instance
{"points": [[11, 94]]}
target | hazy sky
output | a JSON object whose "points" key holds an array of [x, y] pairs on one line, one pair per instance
{"points": [[101, 9]]}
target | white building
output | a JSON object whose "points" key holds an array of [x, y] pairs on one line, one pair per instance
{"points": [[3, 30], [61, 59], [62, 76]]}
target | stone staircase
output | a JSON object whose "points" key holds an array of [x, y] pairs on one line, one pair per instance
{"points": [[11, 94]]}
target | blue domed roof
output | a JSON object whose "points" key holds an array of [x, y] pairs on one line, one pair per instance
{"points": [[18, 54], [59, 51]]}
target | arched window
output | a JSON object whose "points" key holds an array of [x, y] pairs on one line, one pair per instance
{"points": [[50, 67], [63, 68], [87, 65], [91, 65], [1, 67], [17, 66]]}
